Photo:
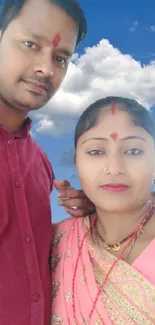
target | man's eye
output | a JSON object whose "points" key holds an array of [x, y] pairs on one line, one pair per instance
{"points": [[60, 60], [31, 45], [95, 152]]}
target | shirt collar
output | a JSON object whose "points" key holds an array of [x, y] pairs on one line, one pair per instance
{"points": [[25, 130], [22, 133]]}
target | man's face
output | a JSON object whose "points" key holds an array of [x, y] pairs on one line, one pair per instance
{"points": [[34, 54]]}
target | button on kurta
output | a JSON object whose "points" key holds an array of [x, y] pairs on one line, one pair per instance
{"points": [[36, 297], [10, 142], [18, 183], [28, 240]]}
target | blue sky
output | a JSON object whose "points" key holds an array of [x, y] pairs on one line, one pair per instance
{"points": [[113, 19], [129, 26]]}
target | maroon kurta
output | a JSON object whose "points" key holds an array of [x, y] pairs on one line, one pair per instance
{"points": [[26, 179]]}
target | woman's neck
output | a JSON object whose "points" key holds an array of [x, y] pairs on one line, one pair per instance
{"points": [[113, 227]]}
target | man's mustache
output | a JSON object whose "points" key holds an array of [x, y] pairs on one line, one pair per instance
{"points": [[39, 80]]}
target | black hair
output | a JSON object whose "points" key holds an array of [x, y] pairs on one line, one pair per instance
{"points": [[10, 9], [140, 115]]}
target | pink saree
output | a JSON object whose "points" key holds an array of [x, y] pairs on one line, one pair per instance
{"points": [[128, 296]]}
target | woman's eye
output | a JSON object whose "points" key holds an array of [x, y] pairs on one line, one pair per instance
{"points": [[31, 45], [95, 152], [134, 152]]}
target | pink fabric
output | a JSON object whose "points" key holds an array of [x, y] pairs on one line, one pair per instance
{"points": [[85, 292], [65, 251], [142, 263]]}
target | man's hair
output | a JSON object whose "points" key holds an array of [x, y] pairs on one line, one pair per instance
{"points": [[10, 9]]}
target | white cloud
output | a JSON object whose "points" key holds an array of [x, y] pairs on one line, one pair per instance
{"points": [[133, 26], [101, 71], [152, 28], [45, 124]]}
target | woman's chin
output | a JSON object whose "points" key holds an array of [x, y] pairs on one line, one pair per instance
{"points": [[115, 207]]}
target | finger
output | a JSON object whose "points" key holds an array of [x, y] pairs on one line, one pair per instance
{"points": [[71, 193], [76, 213], [60, 184], [78, 203]]}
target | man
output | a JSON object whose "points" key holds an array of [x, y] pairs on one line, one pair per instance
{"points": [[37, 39]]}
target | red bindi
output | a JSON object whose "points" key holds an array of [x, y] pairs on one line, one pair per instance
{"points": [[113, 108], [114, 135], [56, 40]]}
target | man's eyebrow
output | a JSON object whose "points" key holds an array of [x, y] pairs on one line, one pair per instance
{"points": [[47, 40], [65, 52], [39, 36]]}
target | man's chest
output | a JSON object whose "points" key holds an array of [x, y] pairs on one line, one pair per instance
{"points": [[25, 183]]}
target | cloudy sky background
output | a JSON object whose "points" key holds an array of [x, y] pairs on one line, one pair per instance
{"points": [[116, 58]]}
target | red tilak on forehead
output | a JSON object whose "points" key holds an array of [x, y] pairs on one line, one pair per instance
{"points": [[113, 108], [56, 40], [114, 135]]}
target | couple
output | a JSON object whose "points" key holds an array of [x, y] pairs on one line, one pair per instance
{"points": [[37, 39]]}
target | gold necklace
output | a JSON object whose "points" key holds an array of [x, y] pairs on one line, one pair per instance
{"points": [[116, 247]]}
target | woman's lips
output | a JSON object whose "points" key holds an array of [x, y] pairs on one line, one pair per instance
{"points": [[115, 187]]}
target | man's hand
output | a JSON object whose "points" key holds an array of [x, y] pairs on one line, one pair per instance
{"points": [[74, 201]]}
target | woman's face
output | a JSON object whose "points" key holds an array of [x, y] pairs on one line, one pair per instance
{"points": [[116, 163]]}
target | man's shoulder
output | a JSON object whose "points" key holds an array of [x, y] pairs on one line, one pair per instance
{"points": [[40, 152]]}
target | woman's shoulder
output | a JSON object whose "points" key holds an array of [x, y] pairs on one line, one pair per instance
{"points": [[62, 225], [64, 228]]}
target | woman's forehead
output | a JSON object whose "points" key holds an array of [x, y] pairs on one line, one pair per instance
{"points": [[120, 123]]}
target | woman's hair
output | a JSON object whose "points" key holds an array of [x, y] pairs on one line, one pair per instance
{"points": [[139, 114]]}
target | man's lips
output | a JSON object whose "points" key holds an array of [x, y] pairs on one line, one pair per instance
{"points": [[115, 187], [36, 87]]}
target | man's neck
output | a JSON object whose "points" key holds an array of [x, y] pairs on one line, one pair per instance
{"points": [[12, 120]]}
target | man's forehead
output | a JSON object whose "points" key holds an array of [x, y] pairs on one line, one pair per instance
{"points": [[52, 38], [46, 12], [48, 19]]}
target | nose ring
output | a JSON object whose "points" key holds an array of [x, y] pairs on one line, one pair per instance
{"points": [[106, 171]]}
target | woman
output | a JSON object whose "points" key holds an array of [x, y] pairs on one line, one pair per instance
{"points": [[103, 268]]}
